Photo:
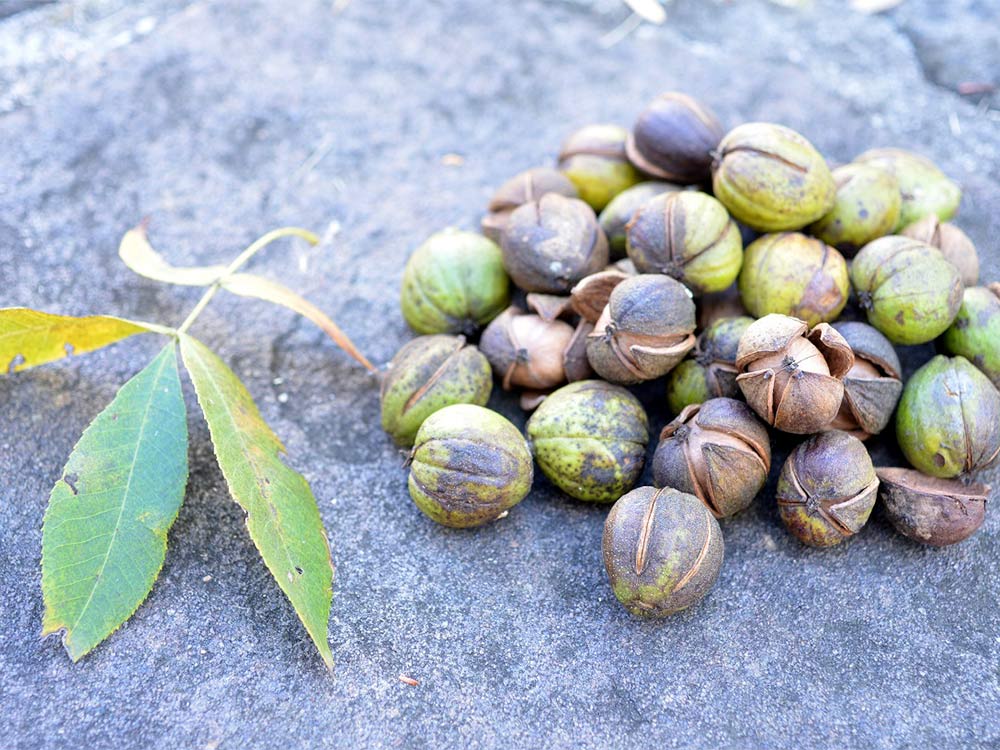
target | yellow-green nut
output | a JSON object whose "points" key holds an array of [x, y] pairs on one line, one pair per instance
{"points": [[827, 489], [427, 374], [923, 187], [454, 283], [468, 466], [794, 275], [594, 160], [948, 421], [589, 438], [867, 207], [711, 371], [975, 334], [663, 551], [688, 236], [907, 289], [771, 178], [619, 212]]}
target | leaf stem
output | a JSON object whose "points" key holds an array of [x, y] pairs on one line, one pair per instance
{"points": [[255, 247]]}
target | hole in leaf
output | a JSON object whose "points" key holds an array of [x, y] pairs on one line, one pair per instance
{"points": [[299, 570], [68, 348], [15, 363]]}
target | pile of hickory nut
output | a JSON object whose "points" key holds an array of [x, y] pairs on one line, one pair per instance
{"points": [[630, 265]]}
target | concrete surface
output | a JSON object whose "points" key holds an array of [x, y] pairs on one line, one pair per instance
{"points": [[220, 120]]}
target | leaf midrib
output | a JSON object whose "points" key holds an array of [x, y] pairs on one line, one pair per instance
{"points": [[126, 494]]}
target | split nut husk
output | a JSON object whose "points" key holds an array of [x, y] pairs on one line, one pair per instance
{"points": [[710, 371], [908, 290], [468, 466], [953, 243], [589, 438], [427, 374], [645, 330], [948, 421], [663, 551], [454, 283], [873, 384], [527, 351], [827, 489], [591, 295], [795, 275], [552, 243], [673, 139], [930, 510], [688, 236], [718, 451], [975, 332], [594, 159], [771, 178], [791, 376]]}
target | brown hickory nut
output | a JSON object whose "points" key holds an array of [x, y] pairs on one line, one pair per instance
{"points": [[929, 509], [673, 139], [663, 551], [550, 244], [826, 490], [718, 451], [525, 350], [522, 188], [590, 296], [645, 330], [790, 376], [954, 244], [873, 384]]}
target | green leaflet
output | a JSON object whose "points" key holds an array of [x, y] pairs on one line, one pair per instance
{"points": [[104, 536], [29, 337], [281, 512]]}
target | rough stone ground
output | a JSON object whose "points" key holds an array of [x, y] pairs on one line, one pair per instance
{"points": [[221, 120]]}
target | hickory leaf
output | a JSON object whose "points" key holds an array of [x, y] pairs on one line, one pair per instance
{"points": [[249, 285], [281, 513], [139, 255], [104, 536], [29, 338]]}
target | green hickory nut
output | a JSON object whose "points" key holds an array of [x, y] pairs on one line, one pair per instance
{"points": [[688, 236], [619, 212], [468, 466], [663, 551], [907, 289], [975, 334], [795, 275], [948, 421], [594, 159], [427, 374], [454, 283], [923, 187], [711, 371], [589, 438], [866, 208], [827, 489], [771, 178]]}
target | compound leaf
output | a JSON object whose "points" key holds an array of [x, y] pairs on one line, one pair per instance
{"points": [[136, 252], [29, 338], [250, 285], [104, 536], [281, 512]]}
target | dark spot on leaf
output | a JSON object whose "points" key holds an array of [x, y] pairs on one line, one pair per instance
{"points": [[299, 570], [863, 213], [938, 460], [899, 318], [71, 480]]}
